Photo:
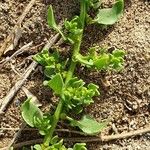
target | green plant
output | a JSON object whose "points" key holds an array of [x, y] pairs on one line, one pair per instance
{"points": [[73, 93]]}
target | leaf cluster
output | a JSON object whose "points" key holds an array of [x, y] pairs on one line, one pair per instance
{"points": [[52, 62], [104, 16], [77, 95], [57, 144], [73, 29], [74, 93], [102, 61], [34, 117]]}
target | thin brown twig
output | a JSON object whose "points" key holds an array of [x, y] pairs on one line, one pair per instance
{"points": [[37, 141], [21, 50], [12, 39], [16, 136], [89, 139], [16, 87], [37, 46], [126, 135], [25, 143], [5, 101], [16, 129], [27, 92], [25, 12], [33, 129], [70, 131]]}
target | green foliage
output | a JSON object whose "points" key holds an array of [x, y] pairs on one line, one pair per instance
{"points": [[51, 19], [109, 16], [95, 3], [74, 93], [73, 29], [84, 60], [30, 111], [56, 83], [51, 61], [78, 146], [103, 61], [34, 117], [88, 125], [52, 23], [45, 59], [110, 61], [57, 144], [43, 124], [77, 95]]}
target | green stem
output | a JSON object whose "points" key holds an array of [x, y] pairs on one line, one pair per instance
{"points": [[77, 45], [55, 120], [83, 8], [60, 32], [76, 49]]}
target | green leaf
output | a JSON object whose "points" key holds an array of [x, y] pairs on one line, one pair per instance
{"points": [[49, 71], [42, 57], [118, 53], [102, 62], [54, 140], [56, 83], [77, 95], [50, 18], [52, 23], [83, 60], [43, 124], [96, 3], [74, 30], [109, 16], [56, 144], [29, 111], [94, 88], [37, 147], [45, 58], [75, 83], [89, 125], [79, 146]]}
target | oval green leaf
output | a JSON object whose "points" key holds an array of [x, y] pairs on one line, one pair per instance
{"points": [[50, 18], [29, 111], [56, 83], [88, 125], [109, 16]]}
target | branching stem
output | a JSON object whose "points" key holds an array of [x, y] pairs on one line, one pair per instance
{"points": [[76, 49]]}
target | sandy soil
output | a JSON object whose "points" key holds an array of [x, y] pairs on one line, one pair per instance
{"points": [[125, 96]]}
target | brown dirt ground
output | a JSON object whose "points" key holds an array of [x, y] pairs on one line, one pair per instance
{"points": [[131, 33]]}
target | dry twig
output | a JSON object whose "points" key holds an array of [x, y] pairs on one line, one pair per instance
{"points": [[16, 136], [33, 129], [126, 135], [19, 84], [18, 52], [12, 39], [89, 139], [16, 87]]}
